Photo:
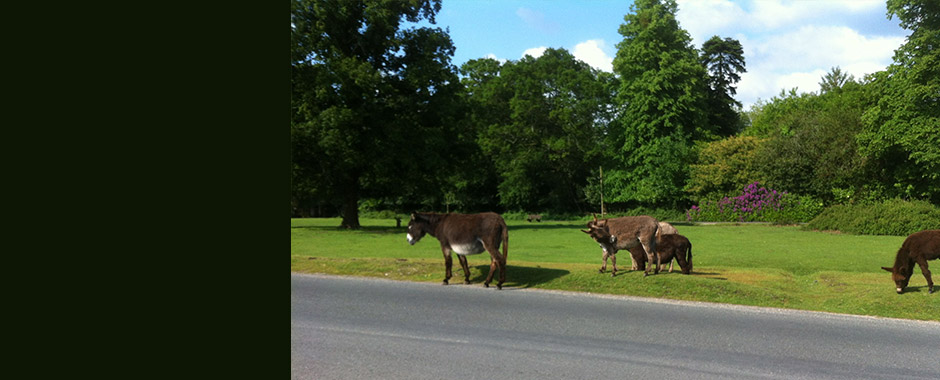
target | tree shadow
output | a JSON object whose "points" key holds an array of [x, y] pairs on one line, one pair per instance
{"points": [[519, 277]]}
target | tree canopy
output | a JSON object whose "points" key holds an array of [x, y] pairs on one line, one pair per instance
{"points": [[381, 119], [660, 102], [371, 101]]}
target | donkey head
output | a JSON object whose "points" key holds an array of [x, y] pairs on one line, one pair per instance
{"points": [[900, 276], [600, 232], [417, 227]]}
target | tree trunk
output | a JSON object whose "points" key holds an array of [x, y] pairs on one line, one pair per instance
{"points": [[351, 205]]}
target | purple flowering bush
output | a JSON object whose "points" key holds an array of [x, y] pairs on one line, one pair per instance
{"points": [[757, 204]]}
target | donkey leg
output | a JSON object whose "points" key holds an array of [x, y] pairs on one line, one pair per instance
{"points": [[466, 269], [448, 263], [923, 269], [613, 259], [489, 277], [604, 267], [651, 264], [502, 273]]}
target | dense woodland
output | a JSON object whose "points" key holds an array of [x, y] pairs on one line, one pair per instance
{"points": [[381, 119]]}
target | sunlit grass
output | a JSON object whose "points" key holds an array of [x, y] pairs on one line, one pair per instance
{"points": [[757, 265]]}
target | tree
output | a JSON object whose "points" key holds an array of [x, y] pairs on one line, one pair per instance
{"points": [[372, 103], [724, 60], [538, 121], [724, 167], [834, 80], [809, 145], [661, 106], [902, 129]]}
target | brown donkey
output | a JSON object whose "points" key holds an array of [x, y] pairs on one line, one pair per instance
{"points": [[919, 247], [465, 234], [624, 233]]}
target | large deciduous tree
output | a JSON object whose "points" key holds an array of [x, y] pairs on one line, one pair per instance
{"points": [[902, 130], [372, 101], [661, 103], [540, 121]]}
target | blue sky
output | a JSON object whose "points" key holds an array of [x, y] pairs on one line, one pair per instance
{"points": [[787, 44]]}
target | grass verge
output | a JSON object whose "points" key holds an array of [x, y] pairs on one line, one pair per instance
{"points": [[756, 265]]}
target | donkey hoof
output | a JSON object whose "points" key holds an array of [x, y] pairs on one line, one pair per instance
{"points": [[600, 271], [486, 284], [499, 286], [466, 282], [445, 283], [646, 274]]}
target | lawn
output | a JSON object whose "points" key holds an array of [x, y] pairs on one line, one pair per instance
{"points": [[758, 265]]}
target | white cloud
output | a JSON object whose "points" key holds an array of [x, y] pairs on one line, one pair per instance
{"points": [[493, 56], [592, 53], [534, 52], [791, 44], [703, 19]]}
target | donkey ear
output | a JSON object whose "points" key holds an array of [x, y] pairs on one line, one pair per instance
{"points": [[587, 232], [414, 215], [888, 269], [595, 216]]}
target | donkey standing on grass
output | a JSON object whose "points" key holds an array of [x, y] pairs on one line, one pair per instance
{"points": [[919, 247], [465, 234], [624, 233]]}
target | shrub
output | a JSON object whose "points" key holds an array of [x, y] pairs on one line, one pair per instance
{"points": [[757, 204], [892, 217]]}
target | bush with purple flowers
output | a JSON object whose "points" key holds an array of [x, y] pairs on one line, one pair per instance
{"points": [[757, 204]]}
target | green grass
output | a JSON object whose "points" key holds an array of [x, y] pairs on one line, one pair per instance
{"points": [[757, 265]]}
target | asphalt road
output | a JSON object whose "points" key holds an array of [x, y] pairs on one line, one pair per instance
{"points": [[350, 328]]}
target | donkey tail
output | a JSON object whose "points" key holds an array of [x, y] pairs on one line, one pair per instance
{"points": [[505, 241], [688, 257]]}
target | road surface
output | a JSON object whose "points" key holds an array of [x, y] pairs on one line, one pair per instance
{"points": [[352, 328]]}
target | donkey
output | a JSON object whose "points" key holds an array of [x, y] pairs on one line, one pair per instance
{"points": [[919, 247], [624, 233], [669, 246], [638, 256], [465, 234]]}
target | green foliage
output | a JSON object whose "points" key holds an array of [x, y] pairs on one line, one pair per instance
{"points": [[724, 167], [724, 60], [539, 122], [362, 89], [892, 217], [661, 98], [809, 145], [902, 129]]}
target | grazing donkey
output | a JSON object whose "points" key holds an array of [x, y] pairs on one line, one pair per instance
{"points": [[624, 233], [465, 234], [669, 246], [919, 247]]}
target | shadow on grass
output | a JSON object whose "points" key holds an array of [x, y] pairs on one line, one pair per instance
{"points": [[546, 226], [919, 289], [519, 277], [363, 229]]}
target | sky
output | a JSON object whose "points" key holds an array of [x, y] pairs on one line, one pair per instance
{"points": [[787, 44]]}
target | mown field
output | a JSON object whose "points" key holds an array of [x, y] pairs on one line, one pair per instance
{"points": [[759, 265]]}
